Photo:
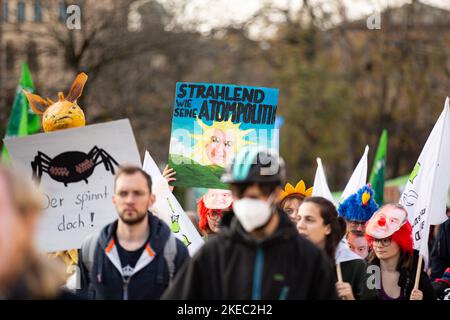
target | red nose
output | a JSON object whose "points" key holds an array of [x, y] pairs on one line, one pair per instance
{"points": [[382, 221]]}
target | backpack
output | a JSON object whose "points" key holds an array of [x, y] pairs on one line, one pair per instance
{"points": [[89, 245]]}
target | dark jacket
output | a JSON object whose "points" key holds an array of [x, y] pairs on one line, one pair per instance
{"points": [[234, 265], [407, 279], [440, 255], [151, 274], [355, 273]]}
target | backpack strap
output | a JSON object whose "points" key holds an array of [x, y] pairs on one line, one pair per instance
{"points": [[170, 252]]}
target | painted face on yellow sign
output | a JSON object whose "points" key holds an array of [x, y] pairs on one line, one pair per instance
{"points": [[220, 148]]}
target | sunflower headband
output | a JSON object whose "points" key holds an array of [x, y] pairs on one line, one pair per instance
{"points": [[300, 189]]}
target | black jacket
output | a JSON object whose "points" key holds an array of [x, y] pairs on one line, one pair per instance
{"points": [[234, 265], [440, 255], [355, 273], [406, 282], [407, 278], [151, 275]]}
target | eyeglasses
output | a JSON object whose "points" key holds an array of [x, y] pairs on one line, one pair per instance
{"points": [[355, 224], [384, 242], [215, 215]]}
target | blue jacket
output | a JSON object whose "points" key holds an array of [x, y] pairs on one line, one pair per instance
{"points": [[150, 277], [440, 254]]}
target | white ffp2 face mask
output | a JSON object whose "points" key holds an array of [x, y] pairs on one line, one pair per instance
{"points": [[252, 213]]}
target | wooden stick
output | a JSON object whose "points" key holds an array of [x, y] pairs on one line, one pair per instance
{"points": [[339, 276], [419, 270], [339, 272]]}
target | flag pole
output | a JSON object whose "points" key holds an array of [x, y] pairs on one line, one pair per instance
{"points": [[339, 272], [339, 276], [419, 269]]}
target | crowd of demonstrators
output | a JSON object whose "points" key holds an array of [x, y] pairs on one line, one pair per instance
{"points": [[319, 222], [254, 250], [24, 272], [136, 256], [390, 235], [260, 255], [291, 198]]}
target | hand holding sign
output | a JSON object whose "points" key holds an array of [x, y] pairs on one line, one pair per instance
{"points": [[169, 175]]}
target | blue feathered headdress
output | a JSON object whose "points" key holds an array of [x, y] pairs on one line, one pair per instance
{"points": [[360, 206]]}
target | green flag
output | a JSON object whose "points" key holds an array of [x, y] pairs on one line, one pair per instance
{"points": [[22, 121], [379, 164]]}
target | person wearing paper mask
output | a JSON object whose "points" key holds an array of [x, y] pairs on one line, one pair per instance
{"points": [[260, 255], [319, 222], [210, 209], [389, 233], [291, 198], [358, 208]]}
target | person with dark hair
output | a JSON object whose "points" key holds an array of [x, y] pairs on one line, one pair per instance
{"points": [[259, 255], [440, 253], [319, 222], [389, 233], [291, 198], [136, 256]]}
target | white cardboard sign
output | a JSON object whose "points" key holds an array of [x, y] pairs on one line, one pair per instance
{"points": [[75, 172], [169, 209]]}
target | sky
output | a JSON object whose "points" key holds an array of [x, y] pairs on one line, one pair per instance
{"points": [[215, 13]]}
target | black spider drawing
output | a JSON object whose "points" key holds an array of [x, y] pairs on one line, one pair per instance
{"points": [[71, 166]]}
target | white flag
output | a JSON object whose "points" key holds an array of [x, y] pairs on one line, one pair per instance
{"points": [[425, 195], [321, 188], [168, 208], [358, 178]]}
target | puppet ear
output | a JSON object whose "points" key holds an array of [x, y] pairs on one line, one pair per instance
{"points": [[37, 104], [77, 87]]}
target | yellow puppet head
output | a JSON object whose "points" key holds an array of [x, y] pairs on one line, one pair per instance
{"points": [[63, 114]]}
